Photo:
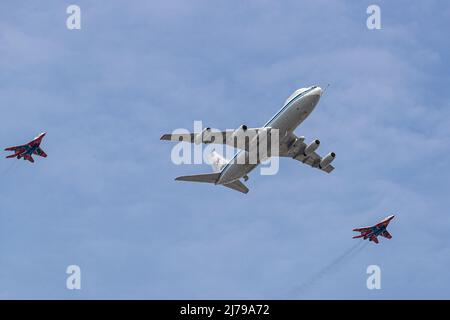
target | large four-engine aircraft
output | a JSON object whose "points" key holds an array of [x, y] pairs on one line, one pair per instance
{"points": [[294, 111], [27, 150]]}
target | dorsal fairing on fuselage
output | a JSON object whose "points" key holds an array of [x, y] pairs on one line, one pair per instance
{"points": [[297, 92], [294, 94]]}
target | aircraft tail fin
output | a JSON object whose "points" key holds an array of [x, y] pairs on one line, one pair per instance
{"points": [[204, 177], [238, 186], [12, 155]]}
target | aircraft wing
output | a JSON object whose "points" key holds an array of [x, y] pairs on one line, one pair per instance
{"points": [[364, 229], [16, 149], [40, 152], [186, 137], [29, 158], [381, 224], [218, 137], [374, 239], [386, 235], [312, 159]]}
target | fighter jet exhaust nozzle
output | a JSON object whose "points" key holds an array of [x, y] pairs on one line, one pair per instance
{"points": [[327, 160], [310, 148], [204, 136]]}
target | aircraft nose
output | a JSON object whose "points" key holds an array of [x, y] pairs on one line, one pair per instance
{"points": [[317, 91]]}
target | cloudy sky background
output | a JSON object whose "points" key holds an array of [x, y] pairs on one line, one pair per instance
{"points": [[105, 198]]}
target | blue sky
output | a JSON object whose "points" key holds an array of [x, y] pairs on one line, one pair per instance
{"points": [[105, 198]]}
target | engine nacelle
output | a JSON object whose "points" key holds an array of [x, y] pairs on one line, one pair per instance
{"points": [[204, 136], [295, 147], [239, 131], [327, 160], [310, 148]]}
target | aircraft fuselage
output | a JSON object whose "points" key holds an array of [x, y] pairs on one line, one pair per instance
{"points": [[296, 109], [376, 231]]}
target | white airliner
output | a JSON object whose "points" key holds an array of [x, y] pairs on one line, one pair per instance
{"points": [[228, 173]]}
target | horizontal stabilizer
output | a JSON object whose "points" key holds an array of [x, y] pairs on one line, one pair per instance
{"points": [[205, 177], [238, 186]]}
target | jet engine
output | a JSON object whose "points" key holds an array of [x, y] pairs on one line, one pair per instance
{"points": [[239, 131], [310, 148], [204, 136], [326, 161]]}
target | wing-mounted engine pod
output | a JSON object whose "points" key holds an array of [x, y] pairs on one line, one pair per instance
{"points": [[204, 136], [310, 148], [242, 129], [326, 161], [294, 148]]}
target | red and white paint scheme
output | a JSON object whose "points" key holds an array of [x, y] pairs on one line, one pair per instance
{"points": [[373, 232], [26, 151]]}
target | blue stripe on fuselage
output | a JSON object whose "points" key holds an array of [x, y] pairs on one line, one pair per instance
{"points": [[289, 103], [301, 94]]}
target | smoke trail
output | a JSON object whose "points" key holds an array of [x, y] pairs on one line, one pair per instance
{"points": [[8, 169], [332, 266]]}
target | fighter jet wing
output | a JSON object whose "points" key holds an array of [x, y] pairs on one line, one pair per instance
{"points": [[218, 137], [40, 152], [363, 229], [363, 232], [386, 235], [29, 158], [374, 239], [18, 150], [381, 224]]}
